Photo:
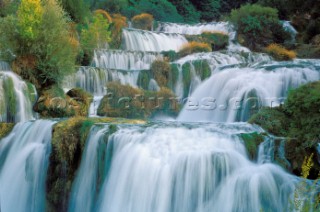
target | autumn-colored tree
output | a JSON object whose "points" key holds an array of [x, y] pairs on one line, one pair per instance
{"points": [[29, 18]]}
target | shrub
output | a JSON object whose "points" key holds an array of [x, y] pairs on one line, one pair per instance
{"points": [[187, 10], [128, 102], [104, 13], [217, 39], [256, 26], [209, 9], [143, 21], [96, 35], [280, 53], [160, 70], [194, 47], [44, 48], [77, 9], [118, 23]]}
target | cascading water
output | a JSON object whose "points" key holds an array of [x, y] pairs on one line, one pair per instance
{"points": [[16, 97], [24, 156], [233, 93], [124, 60], [172, 167], [140, 40]]}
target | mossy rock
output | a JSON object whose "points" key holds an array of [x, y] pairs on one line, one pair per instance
{"points": [[170, 55], [218, 40], [5, 129], [128, 102], [173, 76], [252, 142], [144, 79], [202, 69], [54, 103], [273, 120], [186, 76], [160, 70], [10, 99], [68, 143], [308, 51]]}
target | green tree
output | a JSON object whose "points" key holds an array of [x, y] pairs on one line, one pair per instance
{"points": [[209, 9], [187, 10], [258, 26], [77, 9]]}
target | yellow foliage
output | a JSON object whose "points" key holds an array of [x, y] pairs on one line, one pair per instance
{"points": [[194, 47], [280, 53], [118, 22], [104, 13], [143, 21], [29, 18], [306, 166]]}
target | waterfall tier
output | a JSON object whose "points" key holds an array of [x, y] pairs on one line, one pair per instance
{"points": [[24, 159], [16, 97], [233, 94], [172, 167], [124, 60], [140, 40]]}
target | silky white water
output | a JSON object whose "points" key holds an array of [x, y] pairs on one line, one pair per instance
{"points": [[140, 40], [16, 97], [233, 94], [24, 156], [124, 60], [173, 167]]}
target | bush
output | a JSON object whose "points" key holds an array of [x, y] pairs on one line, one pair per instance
{"points": [[95, 35], [256, 26], [128, 102], [160, 70], [40, 42], [194, 47], [280, 53], [118, 23], [186, 9], [143, 21], [218, 40], [77, 9], [104, 13]]}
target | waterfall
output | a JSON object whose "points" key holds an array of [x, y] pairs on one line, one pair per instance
{"points": [[289, 28], [195, 29], [94, 80], [232, 94], [16, 97], [140, 40], [24, 156], [172, 167], [124, 60]]}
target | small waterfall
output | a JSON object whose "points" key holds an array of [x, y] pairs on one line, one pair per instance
{"points": [[171, 167], [216, 61], [140, 40], [16, 97], [124, 60], [94, 80], [195, 29], [289, 28], [233, 93], [24, 156]]}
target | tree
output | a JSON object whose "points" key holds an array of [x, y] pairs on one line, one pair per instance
{"points": [[209, 9], [77, 9], [187, 10]]}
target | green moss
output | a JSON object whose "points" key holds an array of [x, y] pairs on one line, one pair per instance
{"points": [[10, 97], [252, 142], [173, 76], [31, 92], [5, 129], [218, 40], [170, 55], [273, 120], [186, 76], [202, 68], [144, 79]]}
